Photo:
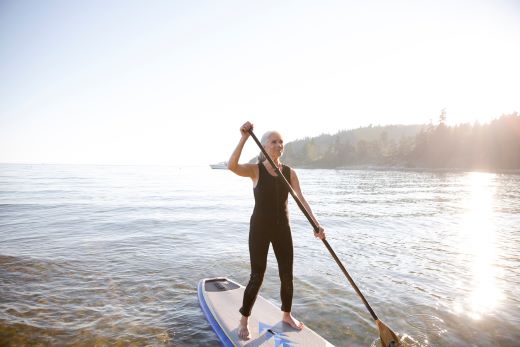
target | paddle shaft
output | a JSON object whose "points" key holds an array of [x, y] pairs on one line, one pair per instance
{"points": [[314, 225]]}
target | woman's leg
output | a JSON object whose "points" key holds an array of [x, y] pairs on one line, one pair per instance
{"points": [[258, 249], [283, 250]]}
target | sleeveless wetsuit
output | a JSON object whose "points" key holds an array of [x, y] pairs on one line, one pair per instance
{"points": [[270, 224]]}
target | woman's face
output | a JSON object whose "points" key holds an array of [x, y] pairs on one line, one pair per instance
{"points": [[274, 145]]}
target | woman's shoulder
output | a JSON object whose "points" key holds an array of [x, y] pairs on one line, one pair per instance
{"points": [[288, 168], [288, 171]]}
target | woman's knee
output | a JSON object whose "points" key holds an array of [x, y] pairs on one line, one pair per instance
{"points": [[256, 278]]}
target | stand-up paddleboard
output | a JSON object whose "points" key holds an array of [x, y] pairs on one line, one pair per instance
{"points": [[220, 298]]}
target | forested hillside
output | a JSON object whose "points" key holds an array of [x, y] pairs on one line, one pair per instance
{"points": [[494, 146]]}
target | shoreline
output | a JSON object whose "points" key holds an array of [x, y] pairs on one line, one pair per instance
{"points": [[412, 169]]}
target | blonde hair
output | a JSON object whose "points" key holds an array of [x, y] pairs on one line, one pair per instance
{"points": [[265, 137]]}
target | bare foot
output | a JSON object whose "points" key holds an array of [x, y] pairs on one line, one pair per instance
{"points": [[243, 328], [293, 322]]}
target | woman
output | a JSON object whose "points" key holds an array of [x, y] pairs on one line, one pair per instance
{"points": [[269, 223]]}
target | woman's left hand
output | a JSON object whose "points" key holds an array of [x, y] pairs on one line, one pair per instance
{"points": [[320, 234]]}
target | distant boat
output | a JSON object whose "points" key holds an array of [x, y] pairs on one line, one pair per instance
{"points": [[222, 165]]}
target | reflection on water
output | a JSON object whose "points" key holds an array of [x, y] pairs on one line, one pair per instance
{"points": [[479, 246]]}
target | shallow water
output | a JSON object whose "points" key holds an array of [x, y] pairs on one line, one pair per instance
{"points": [[111, 255]]}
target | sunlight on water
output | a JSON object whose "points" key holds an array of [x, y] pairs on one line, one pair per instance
{"points": [[479, 247]]}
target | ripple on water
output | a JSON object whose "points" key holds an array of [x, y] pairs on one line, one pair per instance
{"points": [[63, 304], [113, 255]]}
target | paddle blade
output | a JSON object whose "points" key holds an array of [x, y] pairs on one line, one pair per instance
{"points": [[387, 336]]}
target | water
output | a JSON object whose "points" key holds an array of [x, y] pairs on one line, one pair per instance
{"points": [[111, 255]]}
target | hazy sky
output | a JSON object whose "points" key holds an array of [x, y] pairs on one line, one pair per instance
{"points": [[170, 82]]}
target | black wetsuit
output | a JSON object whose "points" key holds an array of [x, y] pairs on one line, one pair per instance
{"points": [[270, 224]]}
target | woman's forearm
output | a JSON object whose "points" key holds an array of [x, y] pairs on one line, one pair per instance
{"points": [[308, 208], [235, 156]]}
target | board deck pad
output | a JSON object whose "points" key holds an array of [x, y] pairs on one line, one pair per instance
{"points": [[220, 298]]}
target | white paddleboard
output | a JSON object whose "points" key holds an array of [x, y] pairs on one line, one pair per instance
{"points": [[220, 298]]}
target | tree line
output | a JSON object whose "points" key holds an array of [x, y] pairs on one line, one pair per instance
{"points": [[494, 146]]}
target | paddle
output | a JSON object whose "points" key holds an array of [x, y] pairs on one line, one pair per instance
{"points": [[388, 337]]}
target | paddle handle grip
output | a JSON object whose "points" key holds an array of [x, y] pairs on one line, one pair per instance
{"points": [[314, 225]]}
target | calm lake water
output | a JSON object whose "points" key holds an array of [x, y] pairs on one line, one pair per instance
{"points": [[111, 255]]}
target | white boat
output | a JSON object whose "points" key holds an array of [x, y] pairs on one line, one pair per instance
{"points": [[222, 165]]}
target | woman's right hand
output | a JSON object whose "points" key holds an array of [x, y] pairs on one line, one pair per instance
{"points": [[244, 129], [320, 234]]}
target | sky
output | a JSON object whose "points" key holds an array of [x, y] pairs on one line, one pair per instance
{"points": [[171, 82]]}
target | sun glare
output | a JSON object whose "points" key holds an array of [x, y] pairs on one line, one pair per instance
{"points": [[479, 247]]}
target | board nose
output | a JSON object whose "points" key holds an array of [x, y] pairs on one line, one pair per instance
{"points": [[219, 285]]}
